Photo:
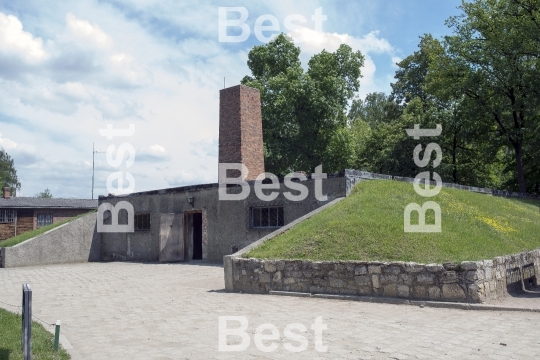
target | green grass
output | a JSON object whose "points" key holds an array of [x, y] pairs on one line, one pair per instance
{"points": [[368, 225], [10, 340], [30, 234]]}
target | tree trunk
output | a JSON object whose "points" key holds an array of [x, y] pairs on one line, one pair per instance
{"points": [[518, 148]]}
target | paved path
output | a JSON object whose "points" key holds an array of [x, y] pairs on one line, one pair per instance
{"points": [[171, 311]]}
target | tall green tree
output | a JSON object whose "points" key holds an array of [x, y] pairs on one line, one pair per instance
{"points": [[8, 174], [304, 112], [492, 64], [467, 149], [376, 108]]}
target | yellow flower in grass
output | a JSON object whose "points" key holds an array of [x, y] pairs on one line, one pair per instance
{"points": [[504, 228]]}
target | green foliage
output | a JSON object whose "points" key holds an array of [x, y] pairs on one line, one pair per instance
{"points": [[42, 340], [368, 225], [303, 112], [44, 194], [8, 174], [375, 109], [492, 66]]}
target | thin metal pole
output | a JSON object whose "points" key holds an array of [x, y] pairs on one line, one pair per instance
{"points": [[27, 322], [93, 154]]}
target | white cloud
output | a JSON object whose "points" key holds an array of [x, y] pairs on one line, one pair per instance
{"points": [[312, 42], [7, 144], [13, 39], [22, 154], [152, 153], [86, 31], [156, 64]]}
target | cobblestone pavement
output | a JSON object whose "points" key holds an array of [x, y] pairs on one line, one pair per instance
{"points": [[171, 311]]}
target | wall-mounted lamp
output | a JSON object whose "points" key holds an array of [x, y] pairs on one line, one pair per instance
{"points": [[191, 200]]}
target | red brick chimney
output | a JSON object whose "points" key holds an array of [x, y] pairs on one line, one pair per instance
{"points": [[240, 128], [7, 192]]}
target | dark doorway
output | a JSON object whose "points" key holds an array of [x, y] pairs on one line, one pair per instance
{"points": [[197, 236]]}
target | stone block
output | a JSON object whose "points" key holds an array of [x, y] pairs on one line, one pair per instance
{"points": [[339, 267], [450, 266], [294, 274], [419, 292], [473, 292], [336, 282], [288, 281], [469, 265], [453, 292], [390, 290], [425, 279], [488, 272], [362, 280], [265, 278], [406, 279], [403, 291], [360, 270], [375, 281], [413, 267], [471, 275], [391, 270], [364, 290], [448, 277], [269, 267], [277, 277], [374, 269], [434, 292], [388, 279], [435, 267]]}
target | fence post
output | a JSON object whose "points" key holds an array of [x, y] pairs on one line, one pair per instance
{"points": [[26, 321], [56, 335]]}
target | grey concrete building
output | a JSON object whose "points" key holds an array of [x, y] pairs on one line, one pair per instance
{"points": [[191, 222]]}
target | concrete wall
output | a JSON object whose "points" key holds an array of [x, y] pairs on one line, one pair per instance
{"points": [[26, 220], [76, 241], [227, 222]]}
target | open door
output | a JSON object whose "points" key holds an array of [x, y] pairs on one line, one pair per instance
{"points": [[171, 239], [193, 236]]}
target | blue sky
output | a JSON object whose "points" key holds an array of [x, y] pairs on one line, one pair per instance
{"points": [[67, 69]]}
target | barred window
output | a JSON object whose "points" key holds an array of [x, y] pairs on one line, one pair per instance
{"points": [[142, 222], [44, 220], [268, 217], [7, 216]]}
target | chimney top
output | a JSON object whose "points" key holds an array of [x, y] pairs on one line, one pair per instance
{"points": [[240, 129], [7, 192]]}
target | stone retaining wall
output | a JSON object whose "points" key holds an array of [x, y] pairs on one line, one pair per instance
{"points": [[470, 281]]}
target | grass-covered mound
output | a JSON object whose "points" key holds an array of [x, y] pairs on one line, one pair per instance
{"points": [[368, 225], [33, 233]]}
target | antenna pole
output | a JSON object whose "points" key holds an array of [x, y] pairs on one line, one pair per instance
{"points": [[93, 155]]}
